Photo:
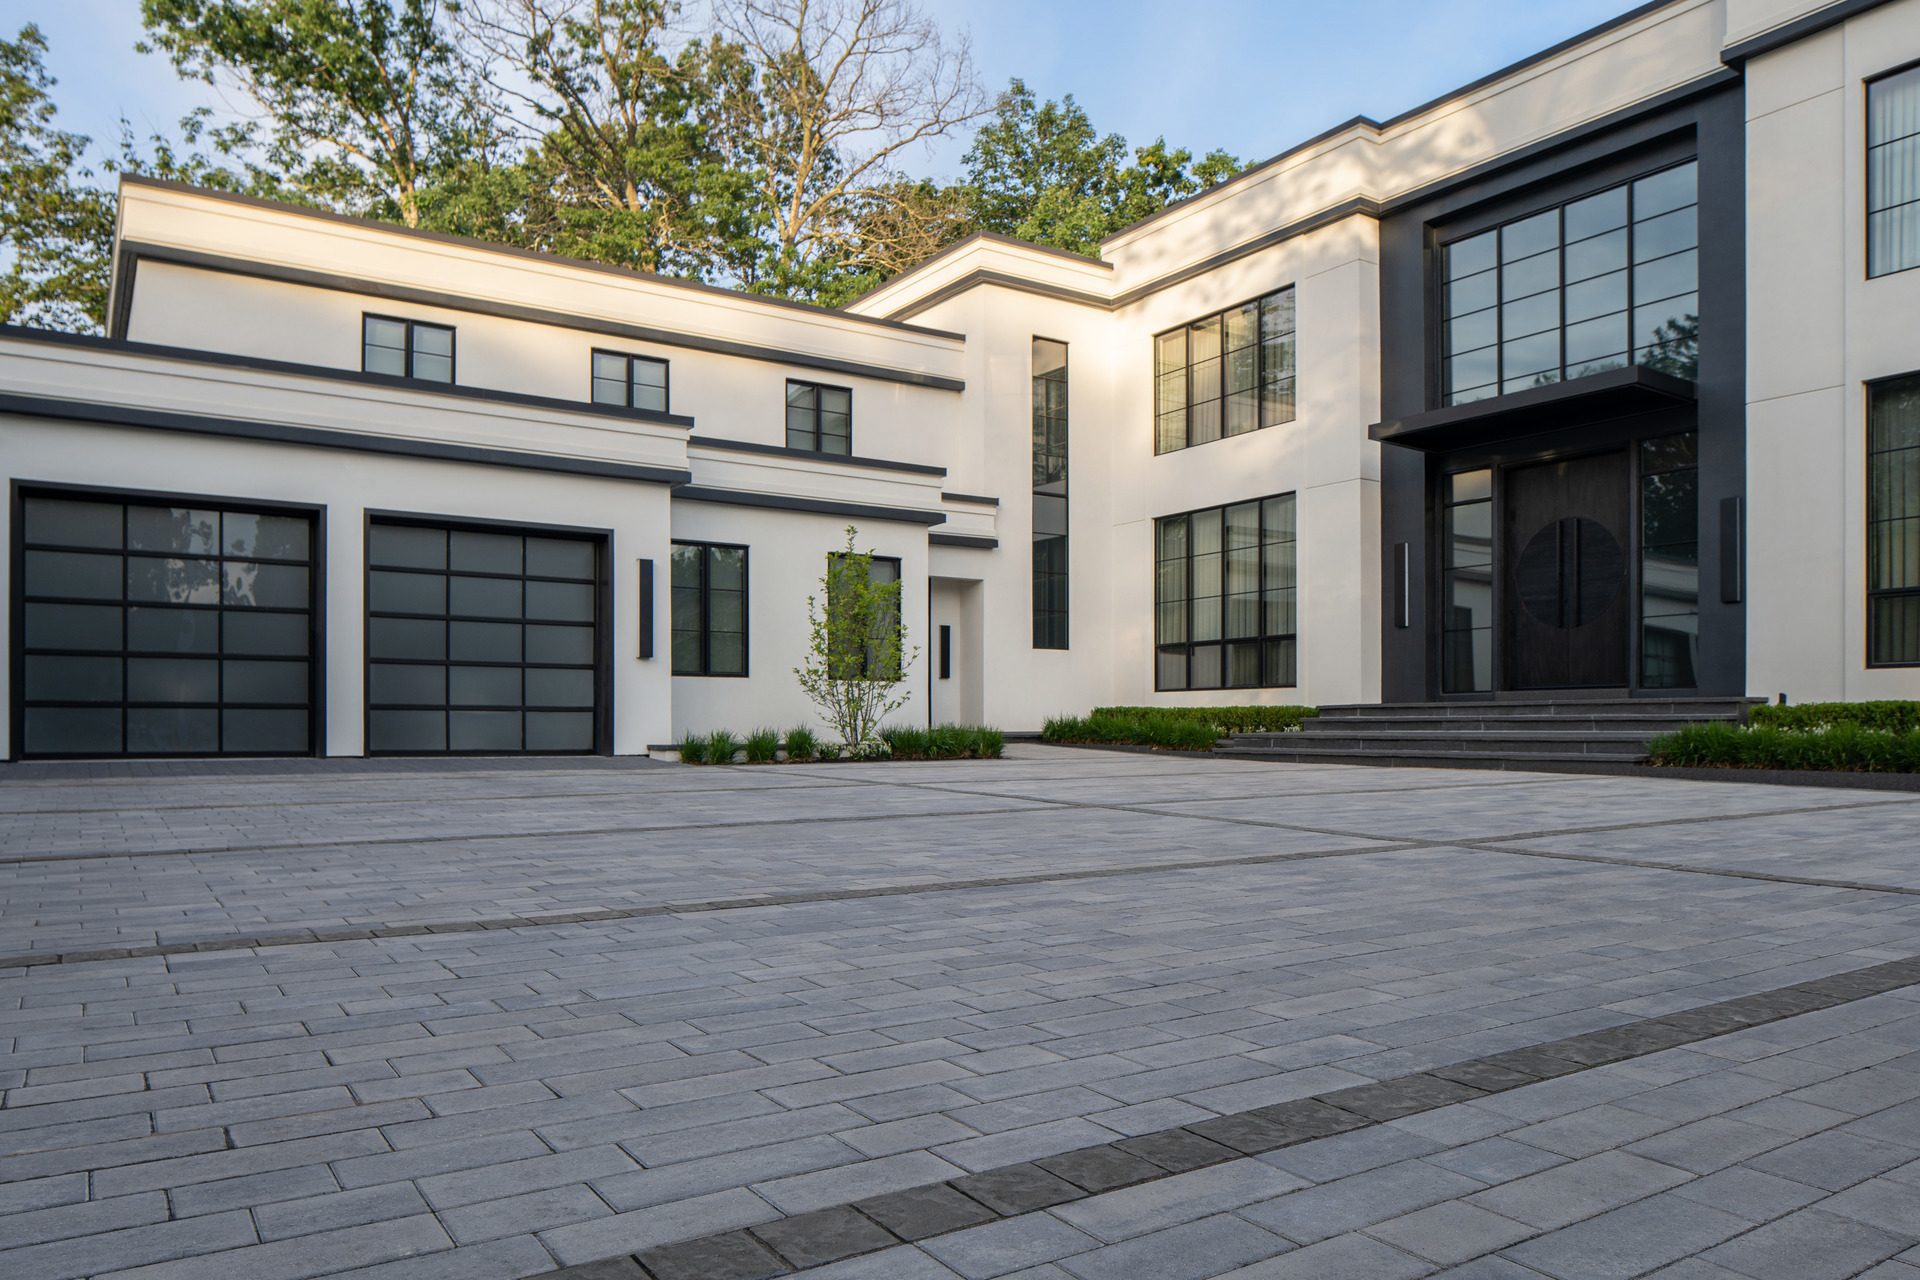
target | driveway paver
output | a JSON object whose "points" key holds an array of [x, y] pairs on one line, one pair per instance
{"points": [[846, 985]]}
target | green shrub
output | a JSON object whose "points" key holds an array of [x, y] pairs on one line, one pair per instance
{"points": [[802, 745], [830, 751], [944, 742], [693, 749], [721, 744], [1841, 746], [905, 742], [1893, 717], [989, 744], [763, 746], [1139, 726]]}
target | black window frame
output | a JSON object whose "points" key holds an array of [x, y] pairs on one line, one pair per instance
{"points": [[627, 383], [1892, 73], [1876, 595], [899, 617], [407, 352], [819, 416], [1163, 648], [1051, 580], [22, 490], [1261, 377], [705, 628], [602, 624], [1441, 386]]}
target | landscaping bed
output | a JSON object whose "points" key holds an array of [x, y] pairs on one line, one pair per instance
{"points": [[1837, 737], [1172, 728], [803, 746]]}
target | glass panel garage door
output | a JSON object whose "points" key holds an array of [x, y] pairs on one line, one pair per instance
{"points": [[154, 630], [481, 641]]}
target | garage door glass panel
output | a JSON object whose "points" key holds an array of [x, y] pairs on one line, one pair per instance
{"points": [[181, 587], [507, 658]]}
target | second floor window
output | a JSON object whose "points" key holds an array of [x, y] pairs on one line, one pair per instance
{"points": [[1600, 283], [709, 609], [1893, 173], [406, 348], [819, 417], [635, 382], [1226, 375]]}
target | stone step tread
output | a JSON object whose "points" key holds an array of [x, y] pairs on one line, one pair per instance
{"points": [[1487, 759], [1473, 724]]}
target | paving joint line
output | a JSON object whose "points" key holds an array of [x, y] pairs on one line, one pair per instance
{"points": [[1497, 845], [795, 1242], [603, 915]]}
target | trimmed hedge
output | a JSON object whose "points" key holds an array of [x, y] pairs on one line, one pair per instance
{"points": [[944, 742], [1893, 717], [1172, 728], [763, 746], [1840, 745]]}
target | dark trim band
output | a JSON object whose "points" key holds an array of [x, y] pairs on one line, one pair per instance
{"points": [[132, 253], [224, 360], [974, 498], [816, 455], [323, 438], [976, 541], [1800, 28], [812, 506]]}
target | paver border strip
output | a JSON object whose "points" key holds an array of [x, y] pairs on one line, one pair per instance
{"points": [[795, 1242]]}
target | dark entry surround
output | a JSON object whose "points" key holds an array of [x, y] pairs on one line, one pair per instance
{"points": [[1566, 461]]}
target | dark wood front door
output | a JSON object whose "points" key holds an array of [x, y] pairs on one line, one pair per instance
{"points": [[1566, 542]]}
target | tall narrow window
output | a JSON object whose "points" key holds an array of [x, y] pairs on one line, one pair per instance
{"points": [[881, 571], [1226, 375], [633, 382], [1669, 561], [1466, 619], [1893, 523], [819, 417], [1608, 280], [406, 348], [1049, 494], [1893, 173], [709, 609], [1225, 608]]}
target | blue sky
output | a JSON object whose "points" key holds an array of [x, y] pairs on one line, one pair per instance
{"points": [[1252, 76]]}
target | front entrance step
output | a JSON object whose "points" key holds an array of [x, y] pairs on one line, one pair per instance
{"points": [[1607, 732]]}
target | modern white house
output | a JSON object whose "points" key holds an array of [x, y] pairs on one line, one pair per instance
{"points": [[1598, 375]]}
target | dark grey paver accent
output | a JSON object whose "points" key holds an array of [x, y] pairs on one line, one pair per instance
{"points": [[304, 937], [924, 1212]]}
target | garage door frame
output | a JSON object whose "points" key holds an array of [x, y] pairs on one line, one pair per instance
{"points": [[603, 691], [19, 490]]}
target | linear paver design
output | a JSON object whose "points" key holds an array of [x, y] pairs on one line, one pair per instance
{"points": [[1083, 1014]]}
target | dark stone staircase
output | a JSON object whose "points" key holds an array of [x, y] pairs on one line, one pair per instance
{"points": [[1603, 734]]}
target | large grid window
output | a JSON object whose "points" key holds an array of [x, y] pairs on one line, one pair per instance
{"points": [[406, 348], [1597, 284], [1225, 375], [1893, 173], [709, 609], [632, 382], [819, 417], [1893, 523], [1225, 588], [1049, 494], [481, 641], [1670, 561], [1466, 585], [164, 630]]}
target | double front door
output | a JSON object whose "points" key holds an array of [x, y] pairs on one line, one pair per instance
{"points": [[1566, 539]]}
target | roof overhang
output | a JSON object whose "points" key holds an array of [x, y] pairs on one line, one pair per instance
{"points": [[1599, 397]]}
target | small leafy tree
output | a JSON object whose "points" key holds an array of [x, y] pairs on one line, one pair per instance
{"points": [[856, 652]]}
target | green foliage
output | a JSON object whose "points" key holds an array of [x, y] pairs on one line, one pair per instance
{"points": [[802, 745], [856, 648], [763, 746], [1895, 717], [944, 742], [721, 746], [1041, 172], [1841, 745], [1173, 728], [693, 749]]}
